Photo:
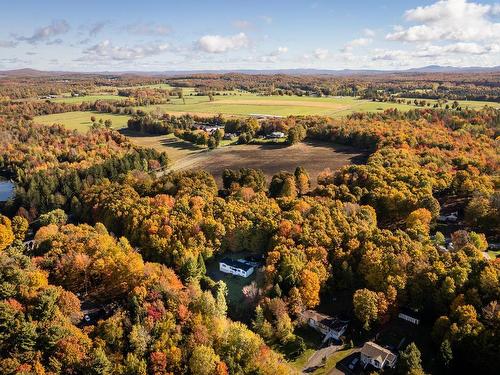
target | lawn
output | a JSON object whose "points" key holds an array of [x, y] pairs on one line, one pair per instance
{"points": [[80, 120]]}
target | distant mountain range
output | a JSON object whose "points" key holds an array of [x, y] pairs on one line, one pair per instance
{"points": [[27, 72]]}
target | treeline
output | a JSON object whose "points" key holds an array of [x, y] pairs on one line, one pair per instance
{"points": [[457, 86], [30, 109], [23, 85], [52, 165]]}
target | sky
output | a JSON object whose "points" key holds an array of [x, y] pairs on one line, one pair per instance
{"points": [[273, 34]]}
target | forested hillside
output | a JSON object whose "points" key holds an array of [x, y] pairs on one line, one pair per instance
{"points": [[116, 281]]}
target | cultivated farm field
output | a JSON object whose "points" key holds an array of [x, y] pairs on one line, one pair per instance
{"points": [[272, 159]]}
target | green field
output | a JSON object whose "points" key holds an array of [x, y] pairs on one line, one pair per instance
{"points": [[241, 103], [248, 104], [238, 104], [80, 120]]}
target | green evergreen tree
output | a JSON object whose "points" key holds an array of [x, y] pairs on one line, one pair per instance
{"points": [[202, 269], [220, 298], [446, 354]]}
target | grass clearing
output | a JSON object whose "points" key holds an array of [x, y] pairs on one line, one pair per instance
{"points": [[80, 120], [176, 149]]}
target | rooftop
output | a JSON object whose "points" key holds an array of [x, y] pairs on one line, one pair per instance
{"points": [[236, 264], [372, 350], [326, 320]]}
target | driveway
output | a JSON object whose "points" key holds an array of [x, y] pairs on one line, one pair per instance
{"points": [[314, 361]]}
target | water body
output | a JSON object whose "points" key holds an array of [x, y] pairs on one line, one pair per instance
{"points": [[6, 189]]}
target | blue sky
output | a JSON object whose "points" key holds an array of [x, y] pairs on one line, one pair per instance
{"points": [[183, 35]]}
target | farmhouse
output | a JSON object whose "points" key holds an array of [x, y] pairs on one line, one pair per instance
{"points": [[331, 327], [236, 267], [377, 356]]}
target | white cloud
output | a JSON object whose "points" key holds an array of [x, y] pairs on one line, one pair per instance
{"points": [[7, 44], [360, 42], [457, 48], [96, 28], [436, 54], [267, 19], [369, 33], [457, 20], [242, 24], [148, 29], [54, 42], [220, 44], [107, 51], [274, 55], [321, 53], [57, 27]]}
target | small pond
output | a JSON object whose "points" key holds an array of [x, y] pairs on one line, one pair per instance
{"points": [[6, 189]]}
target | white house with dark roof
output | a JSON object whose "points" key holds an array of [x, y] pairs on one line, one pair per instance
{"points": [[377, 356], [332, 328], [236, 267]]}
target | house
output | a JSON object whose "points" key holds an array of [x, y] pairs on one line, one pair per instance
{"points": [[236, 267], [451, 218], [276, 135], [409, 316], [332, 328], [377, 356]]}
